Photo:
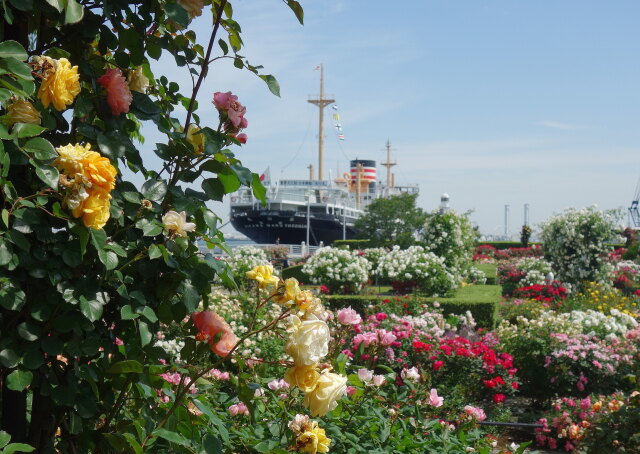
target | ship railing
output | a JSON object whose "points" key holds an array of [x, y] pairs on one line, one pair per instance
{"points": [[295, 250]]}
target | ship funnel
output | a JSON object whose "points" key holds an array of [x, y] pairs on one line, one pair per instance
{"points": [[368, 175]]}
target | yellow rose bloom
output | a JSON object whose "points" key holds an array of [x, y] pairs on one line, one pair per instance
{"points": [[313, 440], [263, 274], [95, 210], [196, 140], [21, 111], [324, 397], [303, 376], [89, 178], [287, 291], [61, 86], [137, 80]]}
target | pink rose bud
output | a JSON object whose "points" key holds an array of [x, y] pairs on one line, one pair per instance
{"points": [[348, 316]]}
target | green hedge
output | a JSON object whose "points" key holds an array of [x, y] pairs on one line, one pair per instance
{"points": [[484, 313], [505, 244], [351, 244], [295, 271]]}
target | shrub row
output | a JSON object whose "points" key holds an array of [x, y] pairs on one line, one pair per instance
{"points": [[352, 244], [484, 313]]}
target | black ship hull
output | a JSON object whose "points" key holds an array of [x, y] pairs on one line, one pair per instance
{"points": [[271, 227]]}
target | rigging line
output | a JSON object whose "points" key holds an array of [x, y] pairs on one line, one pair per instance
{"points": [[342, 149], [304, 139]]}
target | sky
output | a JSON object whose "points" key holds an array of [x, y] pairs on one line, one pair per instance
{"points": [[494, 102]]}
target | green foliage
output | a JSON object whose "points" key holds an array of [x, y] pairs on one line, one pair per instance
{"points": [[505, 244], [80, 307], [391, 221], [353, 245], [295, 272], [450, 235]]}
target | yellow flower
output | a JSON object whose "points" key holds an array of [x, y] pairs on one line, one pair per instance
{"points": [[193, 7], [21, 112], [137, 80], [196, 140], [263, 274], [303, 376], [313, 440], [95, 210], [287, 291], [325, 395], [88, 179], [60, 86], [177, 223]]}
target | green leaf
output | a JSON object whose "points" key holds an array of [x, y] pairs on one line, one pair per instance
{"points": [[151, 229], [149, 314], [297, 10], [258, 188], [57, 4], [173, 437], [27, 331], [73, 12], [4, 438], [126, 313], [91, 308], [145, 333], [154, 190], [272, 83], [9, 358], [21, 130], [12, 298], [15, 67], [223, 45], [98, 238], [48, 174], [22, 5], [19, 380], [5, 254], [17, 447], [154, 252], [213, 188], [13, 49], [109, 259], [4, 94], [212, 445], [126, 367], [111, 145], [177, 13], [5, 217], [230, 182], [40, 149]]}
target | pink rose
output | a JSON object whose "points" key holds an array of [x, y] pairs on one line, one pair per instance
{"points": [[209, 324], [242, 138], [351, 391], [434, 399], [348, 316], [475, 412], [378, 380], [386, 337], [118, 94], [365, 375], [238, 409], [232, 112]]}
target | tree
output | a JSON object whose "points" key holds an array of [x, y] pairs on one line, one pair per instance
{"points": [[392, 221]]}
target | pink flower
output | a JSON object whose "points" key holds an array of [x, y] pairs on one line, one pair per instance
{"points": [[365, 375], [434, 399], [410, 374], [348, 316], [118, 94], [238, 409], [437, 365], [552, 443], [351, 391], [231, 111], [209, 324], [386, 337], [475, 412], [378, 380], [242, 138], [381, 316], [276, 385], [585, 403], [118, 341]]}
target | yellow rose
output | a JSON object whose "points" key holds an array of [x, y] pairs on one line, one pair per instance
{"points": [[303, 376], [61, 86], [95, 210], [196, 140], [22, 112], [309, 340], [324, 397], [193, 7], [263, 274], [287, 291], [313, 440], [137, 80]]}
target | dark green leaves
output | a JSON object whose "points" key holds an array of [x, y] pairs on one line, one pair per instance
{"points": [[154, 190], [177, 13], [126, 367], [40, 149], [13, 49], [73, 12], [21, 130], [258, 188], [297, 10], [19, 380], [48, 174]]}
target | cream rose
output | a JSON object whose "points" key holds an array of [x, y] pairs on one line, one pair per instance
{"points": [[304, 377], [324, 397], [309, 340]]}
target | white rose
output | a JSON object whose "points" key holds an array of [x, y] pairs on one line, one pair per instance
{"points": [[309, 340]]}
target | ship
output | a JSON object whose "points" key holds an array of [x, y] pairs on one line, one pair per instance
{"points": [[316, 211]]}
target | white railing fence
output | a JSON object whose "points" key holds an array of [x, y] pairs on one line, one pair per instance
{"points": [[295, 250]]}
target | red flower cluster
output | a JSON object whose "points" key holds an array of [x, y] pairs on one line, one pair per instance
{"points": [[485, 251], [553, 293]]}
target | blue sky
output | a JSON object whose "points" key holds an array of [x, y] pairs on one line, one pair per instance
{"points": [[494, 102]]}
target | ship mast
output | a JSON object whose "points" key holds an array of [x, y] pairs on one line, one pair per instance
{"points": [[321, 102], [388, 165]]}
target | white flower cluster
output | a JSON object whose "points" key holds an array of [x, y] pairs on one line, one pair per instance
{"points": [[434, 325], [337, 269], [589, 322], [536, 269], [415, 264], [575, 242], [628, 266], [171, 347], [450, 236], [245, 258], [475, 276]]}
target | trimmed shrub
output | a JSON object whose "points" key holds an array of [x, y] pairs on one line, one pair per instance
{"points": [[351, 244]]}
